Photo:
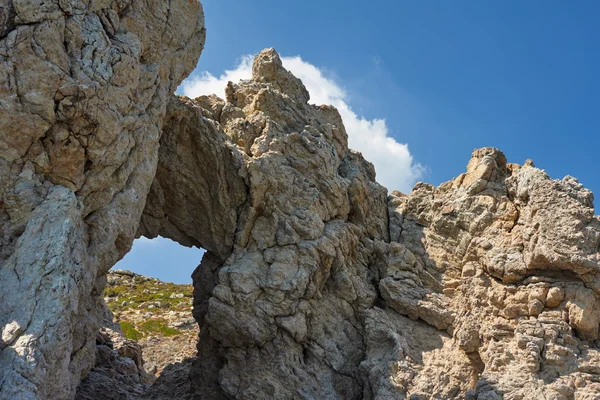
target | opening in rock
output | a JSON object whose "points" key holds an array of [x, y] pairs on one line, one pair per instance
{"points": [[150, 294], [161, 258]]}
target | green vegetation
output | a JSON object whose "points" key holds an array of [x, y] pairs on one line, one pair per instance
{"points": [[130, 331], [159, 326], [129, 297], [149, 291]]}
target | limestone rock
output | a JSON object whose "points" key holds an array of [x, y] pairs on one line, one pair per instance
{"points": [[514, 256], [118, 372], [83, 91], [197, 190], [309, 303], [498, 267], [316, 283]]}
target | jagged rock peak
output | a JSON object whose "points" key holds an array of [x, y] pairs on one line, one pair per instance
{"points": [[268, 68], [486, 166]]}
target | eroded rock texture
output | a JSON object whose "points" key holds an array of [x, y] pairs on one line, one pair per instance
{"points": [[316, 283], [505, 260], [118, 373], [83, 91], [482, 288]]}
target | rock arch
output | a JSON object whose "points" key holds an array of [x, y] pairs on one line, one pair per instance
{"points": [[316, 283]]}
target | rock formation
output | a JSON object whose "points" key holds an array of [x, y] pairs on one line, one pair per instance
{"points": [[83, 91], [118, 373], [481, 287], [316, 283]]}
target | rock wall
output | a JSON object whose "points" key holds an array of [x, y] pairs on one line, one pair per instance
{"points": [[505, 261], [482, 288], [118, 373], [83, 91], [316, 283], [298, 272]]}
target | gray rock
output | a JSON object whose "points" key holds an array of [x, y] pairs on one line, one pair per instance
{"points": [[315, 283], [83, 92]]}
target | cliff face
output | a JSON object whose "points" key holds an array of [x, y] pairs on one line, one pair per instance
{"points": [[83, 91], [506, 262], [483, 287], [316, 283]]}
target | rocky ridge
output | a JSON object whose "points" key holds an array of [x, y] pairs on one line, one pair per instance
{"points": [[315, 283]]}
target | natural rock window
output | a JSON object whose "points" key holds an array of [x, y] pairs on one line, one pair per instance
{"points": [[150, 294], [163, 259], [150, 328]]}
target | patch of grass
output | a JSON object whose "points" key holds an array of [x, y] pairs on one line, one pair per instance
{"points": [[130, 331], [115, 291], [144, 290], [159, 326], [125, 295]]}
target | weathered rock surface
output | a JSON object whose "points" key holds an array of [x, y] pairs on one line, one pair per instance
{"points": [[83, 91], [505, 260], [287, 302], [118, 373], [484, 287], [316, 283], [197, 191]]}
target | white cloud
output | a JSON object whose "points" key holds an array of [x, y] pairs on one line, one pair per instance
{"points": [[393, 162], [144, 241], [206, 83]]}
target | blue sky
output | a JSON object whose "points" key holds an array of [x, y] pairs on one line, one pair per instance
{"points": [[447, 77]]}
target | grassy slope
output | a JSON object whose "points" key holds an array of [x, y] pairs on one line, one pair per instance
{"points": [[125, 295]]}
